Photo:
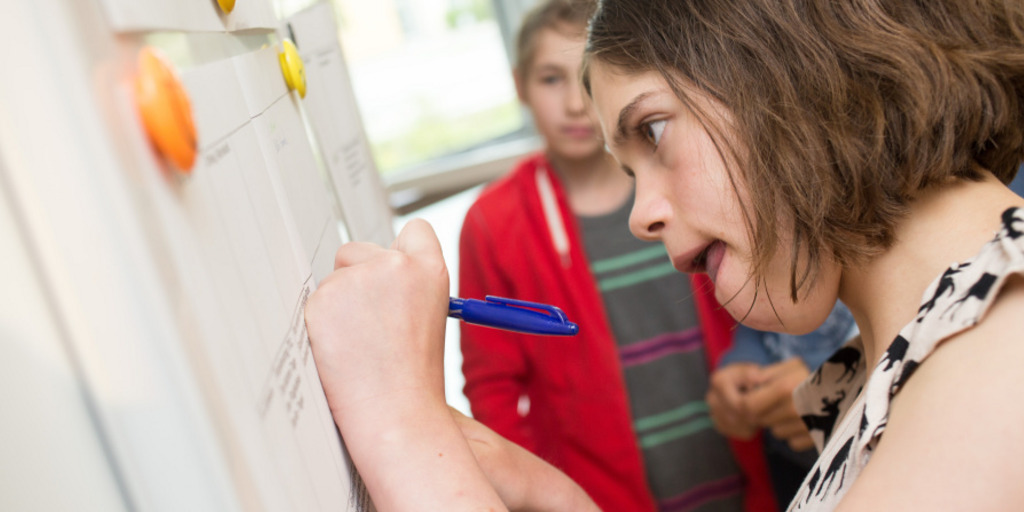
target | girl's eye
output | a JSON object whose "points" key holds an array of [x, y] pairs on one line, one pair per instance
{"points": [[652, 131], [551, 79]]}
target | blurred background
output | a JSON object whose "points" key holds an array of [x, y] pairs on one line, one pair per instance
{"points": [[434, 85]]}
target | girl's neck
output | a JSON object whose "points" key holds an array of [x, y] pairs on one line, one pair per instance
{"points": [[593, 185], [946, 225]]}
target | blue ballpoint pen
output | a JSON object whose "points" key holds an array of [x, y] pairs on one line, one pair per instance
{"points": [[512, 315]]}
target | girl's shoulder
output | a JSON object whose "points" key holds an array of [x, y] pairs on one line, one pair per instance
{"points": [[955, 426], [998, 332], [943, 394], [961, 300]]}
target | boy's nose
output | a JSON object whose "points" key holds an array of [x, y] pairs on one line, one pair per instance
{"points": [[574, 101]]}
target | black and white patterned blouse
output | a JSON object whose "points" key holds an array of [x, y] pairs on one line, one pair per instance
{"points": [[847, 413]]}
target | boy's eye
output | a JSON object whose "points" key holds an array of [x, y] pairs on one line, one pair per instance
{"points": [[550, 79], [652, 131]]}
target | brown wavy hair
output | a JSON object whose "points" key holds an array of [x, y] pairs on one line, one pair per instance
{"points": [[842, 111]]}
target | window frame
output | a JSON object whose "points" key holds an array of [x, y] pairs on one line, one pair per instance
{"points": [[432, 180]]}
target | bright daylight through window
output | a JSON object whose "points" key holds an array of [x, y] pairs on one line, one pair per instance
{"points": [[432, 77]]}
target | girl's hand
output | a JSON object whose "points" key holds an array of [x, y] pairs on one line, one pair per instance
{"points": [[376, 328], [376, 324]]}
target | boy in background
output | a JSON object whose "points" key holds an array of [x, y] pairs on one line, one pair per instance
{"points": [[620, 407]]}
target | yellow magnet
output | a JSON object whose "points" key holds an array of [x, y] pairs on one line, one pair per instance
{"points": [[165, 109], [291, 66], [226, 5]]}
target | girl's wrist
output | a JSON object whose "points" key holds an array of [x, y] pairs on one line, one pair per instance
{"points": [[391, 418], [412, 442], [544, 488]]}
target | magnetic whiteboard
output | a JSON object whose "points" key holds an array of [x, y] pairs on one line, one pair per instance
{"points": [[160, 333]]}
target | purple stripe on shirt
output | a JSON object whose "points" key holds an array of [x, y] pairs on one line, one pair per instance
{"points": [[702, 494], [660, 346]]}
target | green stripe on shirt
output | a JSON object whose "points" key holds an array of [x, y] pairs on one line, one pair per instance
{"points": [[671, 416], [632, 278], [674, 433], [629, 259]]}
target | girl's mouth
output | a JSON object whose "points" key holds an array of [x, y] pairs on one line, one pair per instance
{"points": [[700, 261], [711, 258]]}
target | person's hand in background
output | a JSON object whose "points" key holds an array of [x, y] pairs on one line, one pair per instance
{"points": [[770, 402], [727, 403]]}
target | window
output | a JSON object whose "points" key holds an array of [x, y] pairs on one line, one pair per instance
{"points": [[433, 80]]}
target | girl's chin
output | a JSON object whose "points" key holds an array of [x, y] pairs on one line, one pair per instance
{"points": [[738, 307], [755, 318], [761, 324], [764, 318]]}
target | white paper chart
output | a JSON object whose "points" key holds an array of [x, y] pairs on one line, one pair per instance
{"points": [[332, 109], [155, 345], [258, 208]]}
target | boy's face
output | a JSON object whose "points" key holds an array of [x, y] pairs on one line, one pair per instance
{"points": [[551, 89]]}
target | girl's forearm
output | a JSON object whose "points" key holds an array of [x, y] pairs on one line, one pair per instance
{"points": [[412, 456]]}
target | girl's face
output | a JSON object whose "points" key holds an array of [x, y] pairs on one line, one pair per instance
{"points": [[550, 87], [685, 199]]}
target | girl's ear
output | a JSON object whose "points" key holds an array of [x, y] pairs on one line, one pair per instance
{"points": [[520, 81]]}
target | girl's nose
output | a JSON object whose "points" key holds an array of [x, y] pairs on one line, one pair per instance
{"points": [[650, 214]]}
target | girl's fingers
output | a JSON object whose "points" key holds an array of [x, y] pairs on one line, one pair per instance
{"points": [[355, 253], [418, 239]]}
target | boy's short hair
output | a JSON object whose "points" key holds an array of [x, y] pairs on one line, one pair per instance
{"points": [[568, 16], [841, 112]]}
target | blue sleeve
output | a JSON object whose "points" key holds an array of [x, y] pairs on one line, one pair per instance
{"points": [[747, 347], [1017, 185], [819, 345], [763, 348]]}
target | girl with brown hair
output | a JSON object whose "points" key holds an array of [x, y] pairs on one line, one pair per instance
{"points": [[797, 152]]}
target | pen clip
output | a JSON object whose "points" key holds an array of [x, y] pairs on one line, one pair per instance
{"points": [[551, 310], [512, 315]]}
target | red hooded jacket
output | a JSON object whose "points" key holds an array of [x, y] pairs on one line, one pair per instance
{"points": [[520, 240]]}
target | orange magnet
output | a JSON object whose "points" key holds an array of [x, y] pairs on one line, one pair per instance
{"points": [[165, 109], [226, 5], [291, 66]]}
